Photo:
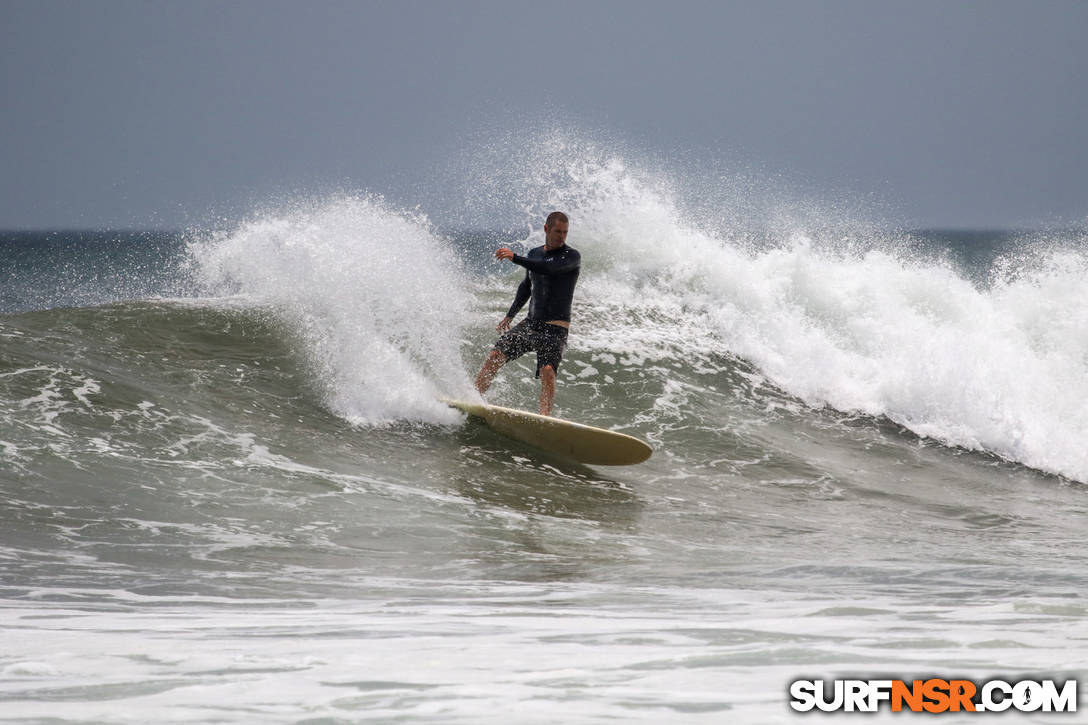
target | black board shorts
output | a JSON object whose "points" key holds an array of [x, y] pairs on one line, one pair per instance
{"points": [[549, 342]]}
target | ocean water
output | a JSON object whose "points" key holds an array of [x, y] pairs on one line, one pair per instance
{"points": [[228, 494]]}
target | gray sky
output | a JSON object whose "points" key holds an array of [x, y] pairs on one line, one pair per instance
{"points": [[144, 114]]}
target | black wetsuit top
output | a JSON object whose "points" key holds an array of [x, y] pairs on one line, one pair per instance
{"points": [[549, 279]]}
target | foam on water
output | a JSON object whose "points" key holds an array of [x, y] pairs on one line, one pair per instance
{"points": [[862, 325], [374, 293], [482, 651]]}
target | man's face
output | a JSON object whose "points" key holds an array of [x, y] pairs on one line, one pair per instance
{"points": [[555, 236]]}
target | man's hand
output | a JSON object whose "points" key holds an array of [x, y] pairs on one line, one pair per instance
{"points": [[505, 324], [504, 253]]}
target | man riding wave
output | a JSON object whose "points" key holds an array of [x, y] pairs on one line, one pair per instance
{"points": [[551, 272]]}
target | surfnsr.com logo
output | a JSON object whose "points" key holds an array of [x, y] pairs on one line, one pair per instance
{"points": [[933, 695]]}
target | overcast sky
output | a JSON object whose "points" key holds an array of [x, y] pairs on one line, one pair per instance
{"points": [[160, 114]]}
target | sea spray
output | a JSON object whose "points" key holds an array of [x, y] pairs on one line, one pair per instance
{"points": [[835, 313], [376, 296]]}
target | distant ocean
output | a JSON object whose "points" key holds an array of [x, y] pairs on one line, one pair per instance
{"points": [[228, 493]]}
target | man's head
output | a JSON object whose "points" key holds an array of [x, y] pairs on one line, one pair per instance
{"points": [[555, 230]]}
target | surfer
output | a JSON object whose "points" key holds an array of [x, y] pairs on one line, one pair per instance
{"points": [[551, 271]]}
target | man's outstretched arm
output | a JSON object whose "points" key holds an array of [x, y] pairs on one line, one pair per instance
{"points": [[570, 261]]}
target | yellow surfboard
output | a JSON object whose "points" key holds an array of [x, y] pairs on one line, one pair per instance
{"points": [[582, 443]]}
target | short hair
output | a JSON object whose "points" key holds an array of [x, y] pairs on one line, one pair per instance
{"points": [[556, 216]]}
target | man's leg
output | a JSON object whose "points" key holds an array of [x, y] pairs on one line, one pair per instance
{"points": [[487, 373], [547, 389]]}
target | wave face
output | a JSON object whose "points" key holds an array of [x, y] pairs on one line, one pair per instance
{"points": [[975, 341]]}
